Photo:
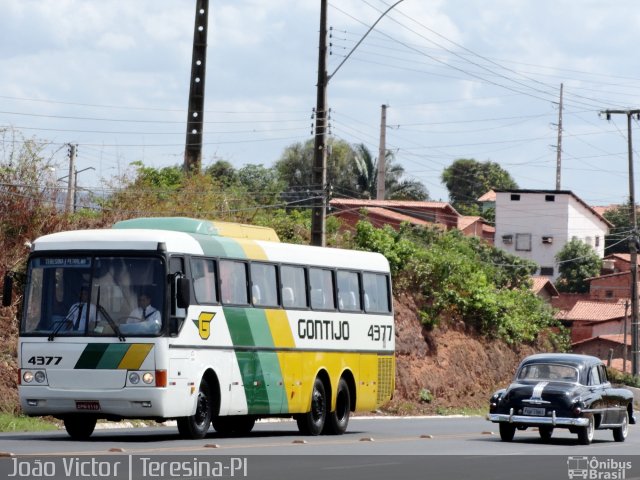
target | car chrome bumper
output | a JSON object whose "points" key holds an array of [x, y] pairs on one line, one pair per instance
{"points": [[534, 420]]}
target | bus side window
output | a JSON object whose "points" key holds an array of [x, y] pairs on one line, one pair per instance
{"points": [[264, 285], [233, 282], [294, 290], [348, 291], [376, 292], [321, 285], [204, 280]]}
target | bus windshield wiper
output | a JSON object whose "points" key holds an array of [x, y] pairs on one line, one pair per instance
{"points": [[55, 331], [111, 323]]}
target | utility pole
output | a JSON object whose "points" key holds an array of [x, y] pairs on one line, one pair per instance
{"points": [[195, 116], [633, 240], [68, 206], [559, 146], [382, 153], [319, 172]]}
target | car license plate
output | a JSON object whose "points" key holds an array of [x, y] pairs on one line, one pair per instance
{"points": [[539, 412], [92, 405]]}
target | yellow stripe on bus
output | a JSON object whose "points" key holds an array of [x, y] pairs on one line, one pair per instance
{"points": [[252, 250], [134, 357]]}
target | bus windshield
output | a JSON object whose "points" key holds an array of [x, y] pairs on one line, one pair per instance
{"points": [[94, 295]]}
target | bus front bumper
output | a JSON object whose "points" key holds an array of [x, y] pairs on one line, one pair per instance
{"points": [[143, 402]]}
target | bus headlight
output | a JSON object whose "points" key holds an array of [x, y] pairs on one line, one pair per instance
{"points": [[39, 376], [147, 378], [134, 378], [27, 377]]}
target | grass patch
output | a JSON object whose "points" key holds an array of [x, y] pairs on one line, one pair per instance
{"points": [[15, 423]]}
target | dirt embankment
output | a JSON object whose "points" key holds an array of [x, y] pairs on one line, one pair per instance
{"points": [[447, 368]]}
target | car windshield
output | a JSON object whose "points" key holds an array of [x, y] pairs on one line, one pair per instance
{"points": [[548, 371], [94, 295]]}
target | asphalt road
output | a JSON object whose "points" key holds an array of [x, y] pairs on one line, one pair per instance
{"points": [[441, 447]]}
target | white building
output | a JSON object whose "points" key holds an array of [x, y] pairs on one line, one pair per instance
{"points": [[537, 224]]}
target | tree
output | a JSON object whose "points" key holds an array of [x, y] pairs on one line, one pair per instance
{"points": [[578, 261], [223, 172], [467, 180], [261, 183], [615, 242], [295, 168], [395, 188]]}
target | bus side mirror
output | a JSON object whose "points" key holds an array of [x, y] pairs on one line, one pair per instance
{"points": [[183, 292], [7, 290]]}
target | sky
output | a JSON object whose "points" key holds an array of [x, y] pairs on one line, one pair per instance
{"points": [[461, 78]]}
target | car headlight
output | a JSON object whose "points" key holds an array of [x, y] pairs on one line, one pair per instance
{"points": [[40, 377], [27, 377], [147, 378], [134, 378]]}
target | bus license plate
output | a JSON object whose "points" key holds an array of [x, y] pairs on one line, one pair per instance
{"points": [[92, 405], [539, 412]]}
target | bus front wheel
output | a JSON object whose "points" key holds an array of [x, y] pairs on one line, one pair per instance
{"points": [[196, 426], [79, 427], [312, 422]]}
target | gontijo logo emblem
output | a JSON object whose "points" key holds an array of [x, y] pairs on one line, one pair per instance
{"points": [[204, 324]]}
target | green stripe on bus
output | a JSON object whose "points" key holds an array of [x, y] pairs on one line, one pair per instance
{"points": [[276, 394], [91, 355], [113, 355], [264, 392], [220, 246]]}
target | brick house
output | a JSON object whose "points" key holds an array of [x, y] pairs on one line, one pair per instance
{"points": [[395, 211], [604, 346], [588, 319], [543, 288]]}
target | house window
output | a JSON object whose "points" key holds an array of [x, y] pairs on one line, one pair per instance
{"points": [[508, 239], [597, 241], [547, 239], [549, 198], [546, 271], [515, 197], [523, 242], [608, 293]]}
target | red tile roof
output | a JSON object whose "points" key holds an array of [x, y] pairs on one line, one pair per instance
{"points": [[466, 220], [602, 209], [400, 217], [543, 282], [590, 311], [407, 204], [490, 196]]}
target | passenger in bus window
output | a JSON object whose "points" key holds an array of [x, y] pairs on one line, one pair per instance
{"points": [[146, 318], [77, 316]]}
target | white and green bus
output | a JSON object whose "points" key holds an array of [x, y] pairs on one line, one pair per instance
{"points": [[208, 323]]}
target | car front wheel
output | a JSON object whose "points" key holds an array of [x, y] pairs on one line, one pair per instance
{"points": [[585, 434], [620, 433], [507, 431]]}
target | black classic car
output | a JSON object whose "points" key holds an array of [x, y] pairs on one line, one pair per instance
{"points": [[562, 391]]}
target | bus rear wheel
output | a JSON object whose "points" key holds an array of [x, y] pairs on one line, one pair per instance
{"points": [[80, 427], [312, 422], [196, 426], [233, 425], [338, 420]]}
